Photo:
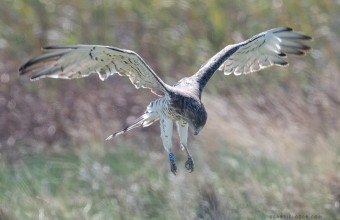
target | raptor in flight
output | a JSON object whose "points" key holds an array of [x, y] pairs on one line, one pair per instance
{"points": [[181, 102]]}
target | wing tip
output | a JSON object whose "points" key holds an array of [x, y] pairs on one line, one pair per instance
{"points": [[282, 29], [282, 63], [35, 78], [286, 28], [281, 54], [57, 47], [23, 68], [289, 29], [306, 37]]}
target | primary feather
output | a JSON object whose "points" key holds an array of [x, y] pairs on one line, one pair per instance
{"points": [[264, 50]]}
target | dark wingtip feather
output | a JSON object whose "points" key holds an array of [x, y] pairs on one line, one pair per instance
{"points": [[62, 47], [282, 54], [34, 78], [298, 53], [281, 29], [306, 37], [21, 70], [288, 28], [302, 37], [39, 60], [47, 48], [24, 68], [302, 47], [305, 47], [292, 51], [53, 47], [282, 63]]}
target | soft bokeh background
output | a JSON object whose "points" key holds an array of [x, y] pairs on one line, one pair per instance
{"points": [[271, 145]]}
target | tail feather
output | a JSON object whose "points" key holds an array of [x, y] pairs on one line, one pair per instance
{"points": [[145, 120]]}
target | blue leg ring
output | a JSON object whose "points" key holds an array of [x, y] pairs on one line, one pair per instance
{"points": [[171, 156]]}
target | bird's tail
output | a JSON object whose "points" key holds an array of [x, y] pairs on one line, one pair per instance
{"points": [[145, 120]]}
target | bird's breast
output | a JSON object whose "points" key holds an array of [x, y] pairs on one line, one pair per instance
{"points": [[182, 107]]}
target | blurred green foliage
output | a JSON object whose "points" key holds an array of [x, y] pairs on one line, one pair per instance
{"points": [[125, 184]]}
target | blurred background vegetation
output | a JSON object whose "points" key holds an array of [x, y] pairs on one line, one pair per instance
{"points": [[271, 144]]}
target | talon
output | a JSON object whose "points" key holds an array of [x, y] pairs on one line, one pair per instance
{"points": [[189, 164], [173, 167]]}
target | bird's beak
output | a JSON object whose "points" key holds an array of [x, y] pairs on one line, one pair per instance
{"points": [[197, 131]]}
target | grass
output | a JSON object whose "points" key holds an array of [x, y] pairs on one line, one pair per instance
{"points": [[128, 183]]}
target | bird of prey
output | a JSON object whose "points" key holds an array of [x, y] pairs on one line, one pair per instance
{"points": [[181, 102]]}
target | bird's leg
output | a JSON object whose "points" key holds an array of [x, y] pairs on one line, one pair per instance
{"points": [[173, 166], [166, 134], [189, 164], [182, 129]]}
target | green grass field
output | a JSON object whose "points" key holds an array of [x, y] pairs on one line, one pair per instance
{"points": [[129, 183]]}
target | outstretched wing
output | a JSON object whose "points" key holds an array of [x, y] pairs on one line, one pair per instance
{"points": [[76, 61], [264, 50]]}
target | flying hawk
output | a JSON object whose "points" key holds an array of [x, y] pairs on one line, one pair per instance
{"points": [[181, 102]]}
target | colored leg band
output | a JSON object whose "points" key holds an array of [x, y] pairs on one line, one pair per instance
{"points": [[171, 156]]}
